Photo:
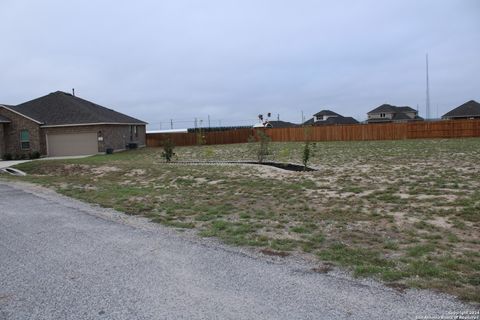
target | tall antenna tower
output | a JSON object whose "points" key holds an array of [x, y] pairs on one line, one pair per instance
{"points": [[427, 113]]}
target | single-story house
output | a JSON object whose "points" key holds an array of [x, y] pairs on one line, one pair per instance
{"points": [[468, 110], [328, 117], [389, 113], [61, 124]]}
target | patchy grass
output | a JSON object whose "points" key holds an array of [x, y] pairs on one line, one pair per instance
{"points": [[405, 212]]}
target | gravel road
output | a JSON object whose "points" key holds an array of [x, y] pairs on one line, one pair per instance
{"points": [[63, 259]]}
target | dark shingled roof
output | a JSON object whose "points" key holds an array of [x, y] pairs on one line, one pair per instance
{"points": [[406, 109], [60, 108], [401, 116], [330, 121], [337, 120], [384, 108], [468, 109], [326, 113], [309, 122], [387, 108], [282, 124]]}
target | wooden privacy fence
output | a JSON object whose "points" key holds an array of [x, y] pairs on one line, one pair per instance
{"points": [[377, 131], [190, 139]]}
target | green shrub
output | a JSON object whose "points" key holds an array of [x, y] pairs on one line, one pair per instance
{"points": [[308, 149], [34, 155], [168, 147]]}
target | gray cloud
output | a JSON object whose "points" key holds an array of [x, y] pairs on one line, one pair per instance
{"points": [[181, 59]]}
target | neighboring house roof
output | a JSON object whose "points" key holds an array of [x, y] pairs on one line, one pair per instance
{"points": [[326, 113], [406, 109], [468, 109], [401, 116], [337, 120], [282, 124], [60, 108], [330, 121], [384, 108], [388, 108], [309, 122]]}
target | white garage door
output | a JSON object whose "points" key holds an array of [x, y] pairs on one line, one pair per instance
{"points": [[72, 144]]}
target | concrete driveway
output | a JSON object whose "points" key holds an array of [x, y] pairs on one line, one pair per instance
{"points": [[62, 259], [6, 164]]}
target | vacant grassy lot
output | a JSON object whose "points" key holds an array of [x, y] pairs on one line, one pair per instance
{"points": [[406, 212]]}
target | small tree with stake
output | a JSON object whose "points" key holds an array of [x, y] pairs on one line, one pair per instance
{"points": [[308, 148], [168, 147], [263, 150], [308, 151]]}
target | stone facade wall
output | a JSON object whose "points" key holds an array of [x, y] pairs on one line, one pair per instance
{"points": [[11, 133], [112, 136]]}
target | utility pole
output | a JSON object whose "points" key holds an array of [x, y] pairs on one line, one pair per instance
{"points": [[427, 116], [278, 116], [208, 121], [171, 124]]}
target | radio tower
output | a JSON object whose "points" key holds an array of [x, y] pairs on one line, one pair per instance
{"points": [[427, 115]]}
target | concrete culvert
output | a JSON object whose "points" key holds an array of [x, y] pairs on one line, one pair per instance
{"points": [[14, 172]]}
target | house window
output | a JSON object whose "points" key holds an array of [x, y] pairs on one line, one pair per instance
{"points": [[382, 115], [25, 139]]}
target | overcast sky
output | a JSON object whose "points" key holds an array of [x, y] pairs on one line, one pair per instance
{"points": [[178, 59]]}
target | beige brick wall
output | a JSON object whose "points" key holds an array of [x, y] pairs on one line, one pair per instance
{"points": [[11, 133]]}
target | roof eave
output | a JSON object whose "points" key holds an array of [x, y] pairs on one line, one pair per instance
{"points": [[93, 124], [461, 116]]}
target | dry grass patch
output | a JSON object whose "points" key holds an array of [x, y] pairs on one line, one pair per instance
{"points": [[406, 212]]}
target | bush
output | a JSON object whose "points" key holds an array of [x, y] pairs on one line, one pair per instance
{"points": [[34, 155], [168, 147], [7, 157], [308, 149]]}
